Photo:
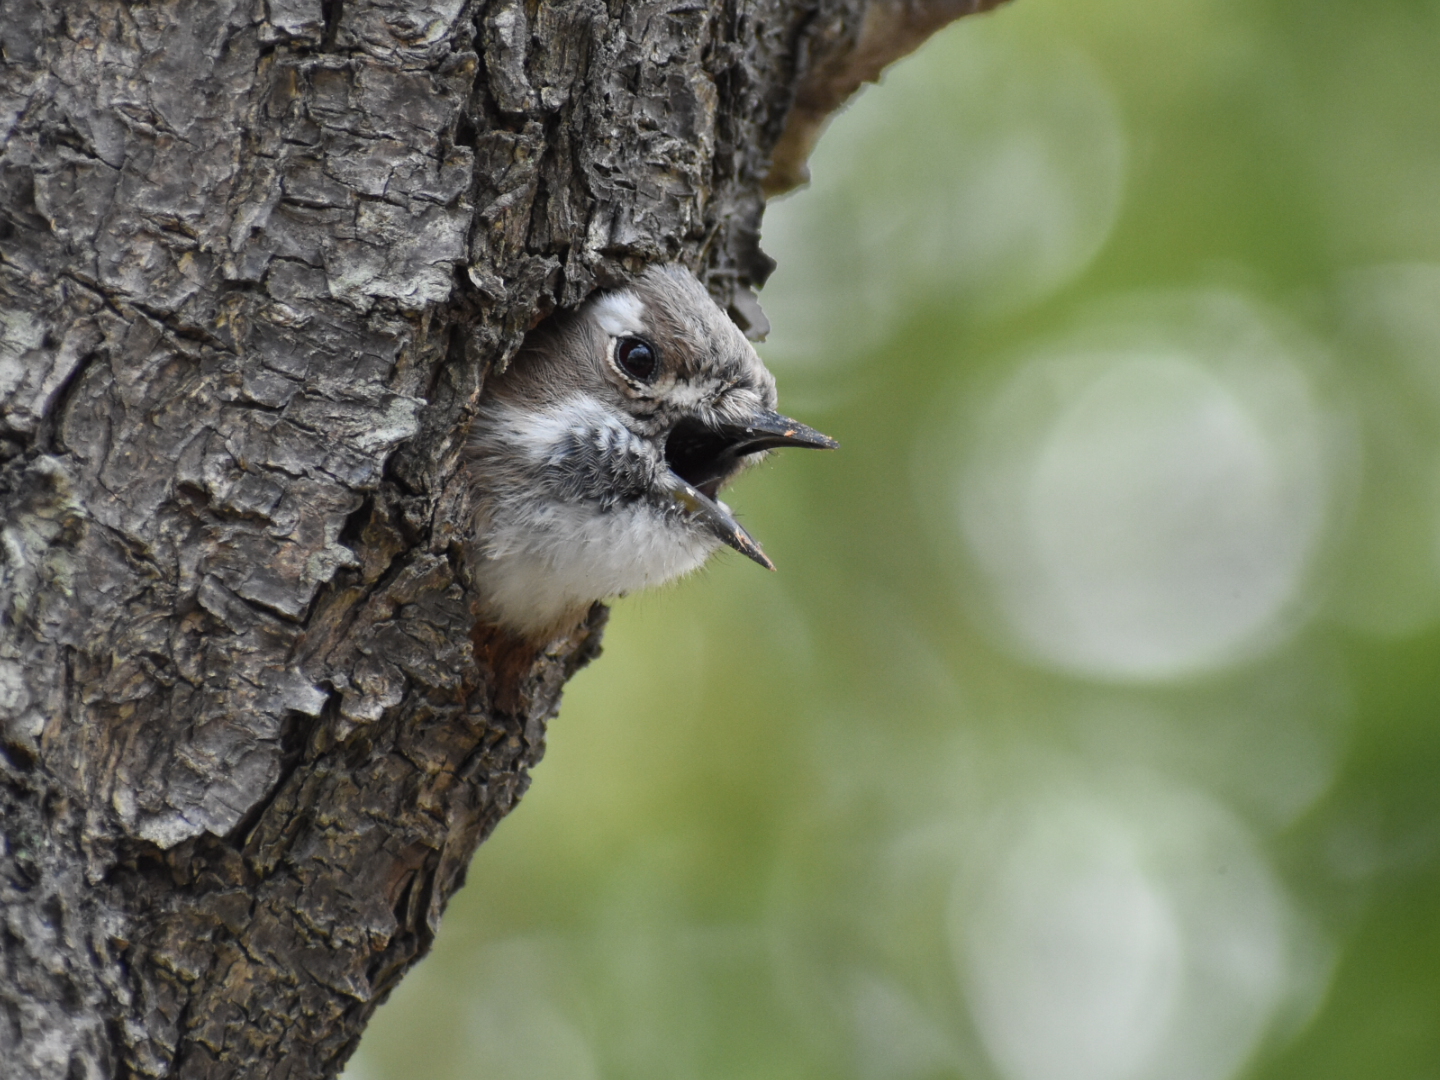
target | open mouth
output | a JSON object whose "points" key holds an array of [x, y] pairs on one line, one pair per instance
{"points": [[703, 457]]}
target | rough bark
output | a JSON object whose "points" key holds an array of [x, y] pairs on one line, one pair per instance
{"points": [[255, 261]]}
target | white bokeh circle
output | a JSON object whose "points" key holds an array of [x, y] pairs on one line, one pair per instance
{"points": [[1144, 500], [1147, 941]]}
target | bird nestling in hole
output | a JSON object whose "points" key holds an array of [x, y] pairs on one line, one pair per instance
{"points": [[598, 456]]}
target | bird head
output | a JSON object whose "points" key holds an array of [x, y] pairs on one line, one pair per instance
{"points": [[608, 440]]}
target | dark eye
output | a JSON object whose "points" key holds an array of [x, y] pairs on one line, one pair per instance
{"points": [[637, 359]]}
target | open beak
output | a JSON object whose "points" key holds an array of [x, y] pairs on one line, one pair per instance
{"points": [[716, 517], [702, 458]]}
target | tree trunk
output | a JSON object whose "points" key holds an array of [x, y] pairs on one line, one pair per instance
{"points": [[256, 257]]}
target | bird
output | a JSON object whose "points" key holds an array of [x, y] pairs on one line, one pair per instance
{"points": [[596, 459]]}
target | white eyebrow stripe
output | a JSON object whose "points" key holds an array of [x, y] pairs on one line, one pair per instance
{"points": [[620, 314]]}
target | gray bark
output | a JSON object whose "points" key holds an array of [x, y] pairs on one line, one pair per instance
{"points": [[256, 257]]}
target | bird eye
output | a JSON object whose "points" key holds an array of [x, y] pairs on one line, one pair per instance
{"points": [[637, 359]]}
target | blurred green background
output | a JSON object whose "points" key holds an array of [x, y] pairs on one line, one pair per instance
{"points": [[1091, 728]]}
